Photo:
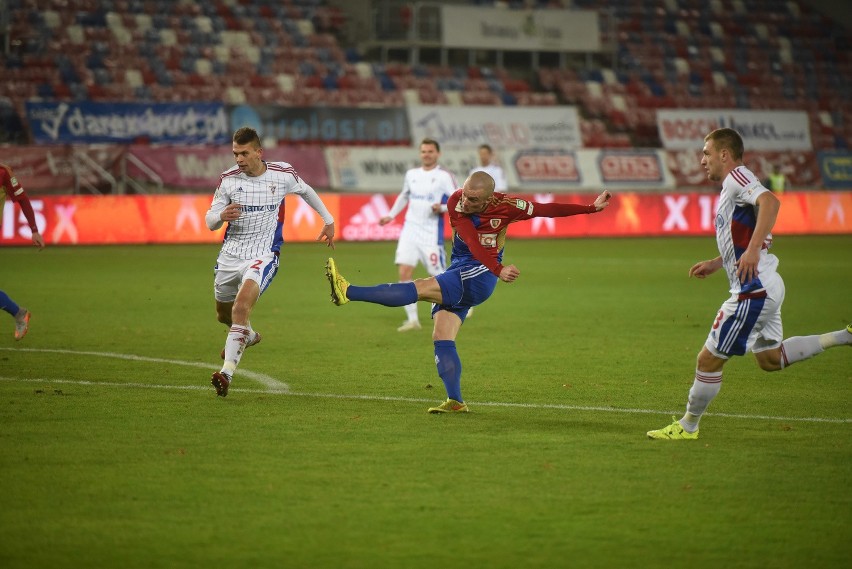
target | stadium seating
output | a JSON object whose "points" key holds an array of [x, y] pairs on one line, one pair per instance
{"points": [[669, 53]]}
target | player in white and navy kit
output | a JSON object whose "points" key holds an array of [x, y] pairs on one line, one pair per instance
{"points": [[425, 192], [250, 198], [750, 320]]}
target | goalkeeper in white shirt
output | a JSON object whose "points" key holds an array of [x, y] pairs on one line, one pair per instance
{"points": [[250, 199]]}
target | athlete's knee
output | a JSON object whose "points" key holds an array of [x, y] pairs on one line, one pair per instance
{"points": [[707, 361], [769, 360], [241, 310]]}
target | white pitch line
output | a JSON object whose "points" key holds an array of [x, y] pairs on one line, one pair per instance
{"points": [[270, 382], [417, 400]]}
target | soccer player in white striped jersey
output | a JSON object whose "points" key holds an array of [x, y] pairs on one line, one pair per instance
{"points": [[425, 192], [250, 198], [750, 320]]}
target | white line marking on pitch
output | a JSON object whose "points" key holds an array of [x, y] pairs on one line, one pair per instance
{"points": [[270, 382], [416, 400]]}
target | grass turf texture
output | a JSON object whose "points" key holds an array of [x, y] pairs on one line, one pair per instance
{"points": [[114, 462]]}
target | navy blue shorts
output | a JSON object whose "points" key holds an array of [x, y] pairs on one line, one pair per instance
{"points": [[463, 287]]}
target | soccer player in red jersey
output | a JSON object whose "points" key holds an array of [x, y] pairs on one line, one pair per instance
{"points": [[479, 218], [12, 188]]}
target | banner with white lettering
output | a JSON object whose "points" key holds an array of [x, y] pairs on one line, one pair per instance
{"points": [[501, 127], [101, 220], [60, 168], [92, 122], [358, 169], [685, 129], [199, 167], [478, 27]]}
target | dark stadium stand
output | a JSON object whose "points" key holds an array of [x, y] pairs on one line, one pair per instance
{"points": [[746, 54]]}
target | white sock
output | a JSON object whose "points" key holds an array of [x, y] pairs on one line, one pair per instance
{"points": [[800, 348], [705, 387], [839, 338], [411, 312], [235, 345]]}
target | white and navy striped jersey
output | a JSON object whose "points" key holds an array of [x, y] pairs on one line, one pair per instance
{"points": [[420, 190], [735, 221], [259, 229]]}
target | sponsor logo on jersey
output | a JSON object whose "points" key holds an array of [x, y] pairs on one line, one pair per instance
{"points": [[488, 239], [520, 204], [272, 188], [268, 207]]}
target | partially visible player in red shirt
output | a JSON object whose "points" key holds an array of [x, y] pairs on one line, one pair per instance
{"points": [[479, 218], [13, 189]]}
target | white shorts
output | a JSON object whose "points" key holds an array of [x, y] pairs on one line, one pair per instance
{"points": [[231, 272], [410, 252], [749, 322]]}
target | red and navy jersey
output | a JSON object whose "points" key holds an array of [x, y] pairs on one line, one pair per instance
{"points": [[480, 237]]}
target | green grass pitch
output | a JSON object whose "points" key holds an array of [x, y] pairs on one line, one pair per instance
{"points": [[115, 451]]}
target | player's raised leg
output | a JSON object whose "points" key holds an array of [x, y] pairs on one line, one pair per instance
{"points": [[392, 294], [798, 348]]}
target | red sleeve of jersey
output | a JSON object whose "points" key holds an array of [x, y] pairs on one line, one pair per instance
{"points": [[561, 209], [16, 194], [466, 231], [6, 180], [27, 208]]}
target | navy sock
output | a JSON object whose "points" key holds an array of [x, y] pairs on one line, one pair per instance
{"points": [[393, 294], [8, 304], [449, 367]]}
